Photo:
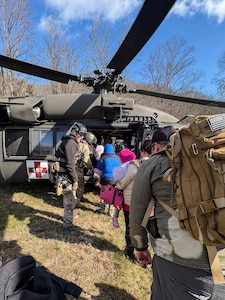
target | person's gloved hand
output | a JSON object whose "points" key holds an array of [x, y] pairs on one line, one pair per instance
{"points": [[59, 189]]}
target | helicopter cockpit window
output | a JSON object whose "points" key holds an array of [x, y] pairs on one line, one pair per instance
{"points": [[42, 142], [16, 142]]}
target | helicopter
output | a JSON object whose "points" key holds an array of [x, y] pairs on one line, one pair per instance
{"points": [[31, 127]]}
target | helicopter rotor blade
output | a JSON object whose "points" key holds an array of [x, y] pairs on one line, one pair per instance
{"points": [[42, 72], [180, 98], [149, 18]]}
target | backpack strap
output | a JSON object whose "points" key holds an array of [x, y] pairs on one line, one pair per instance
{"points": [[175, 142], [168, 208], [147, 213], [64, 286], [149, 208], [215, 265]]}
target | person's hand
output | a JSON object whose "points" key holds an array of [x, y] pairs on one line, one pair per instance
{"points": [[74, 194], [74, 189], [75, 186], [144, 257], [59, 189]]}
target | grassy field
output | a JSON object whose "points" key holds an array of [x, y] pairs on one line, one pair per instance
{"points": [[31, 223]]}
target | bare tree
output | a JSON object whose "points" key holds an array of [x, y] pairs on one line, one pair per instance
{"points": [[219, 79], [60, 53], [16, 39], [170, 67], [98, 45]]}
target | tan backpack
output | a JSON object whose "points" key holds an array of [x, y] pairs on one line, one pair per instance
{"points": [[197, 155], [197, 159]]}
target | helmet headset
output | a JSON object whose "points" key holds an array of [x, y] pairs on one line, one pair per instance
{"points": [[78, 128], [90, 138], [120, 145]]}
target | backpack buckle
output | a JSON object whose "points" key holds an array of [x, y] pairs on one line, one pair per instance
{"points": [[194, 149], [208, 206]]}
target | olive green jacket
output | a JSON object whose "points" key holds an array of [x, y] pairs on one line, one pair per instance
{"points": [[172, 243]]}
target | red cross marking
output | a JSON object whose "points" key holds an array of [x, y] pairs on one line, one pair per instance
{"points": [[37, 170]]}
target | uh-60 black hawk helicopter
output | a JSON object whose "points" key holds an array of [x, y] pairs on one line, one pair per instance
{"points": [[32, 127]]}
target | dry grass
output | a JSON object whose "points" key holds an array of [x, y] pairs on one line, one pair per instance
{"points": [[31, 223]]}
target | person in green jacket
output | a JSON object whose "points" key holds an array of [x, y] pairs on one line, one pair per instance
{"points": [[180, 263]]}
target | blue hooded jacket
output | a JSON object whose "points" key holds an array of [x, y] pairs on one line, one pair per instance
{"points": [[108, 162]]}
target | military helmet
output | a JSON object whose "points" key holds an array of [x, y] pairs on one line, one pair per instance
{"points": [[78, 128], [120, 145], [90, 138]]}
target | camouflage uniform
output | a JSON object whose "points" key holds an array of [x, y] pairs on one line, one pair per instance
{"points": [[69, 201], [82, 161], [67, 176], [67, 154]]}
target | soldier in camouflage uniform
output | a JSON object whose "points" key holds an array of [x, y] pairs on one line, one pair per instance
{"points": [[67, 175], [84, 163]]}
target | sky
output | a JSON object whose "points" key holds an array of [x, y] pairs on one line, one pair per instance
{"points": [[200, 22]]}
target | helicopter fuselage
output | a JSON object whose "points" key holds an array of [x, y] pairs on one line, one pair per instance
{"points": [[31, 128]]}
